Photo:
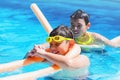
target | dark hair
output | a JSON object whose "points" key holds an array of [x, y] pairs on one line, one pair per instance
{"points": [[62, 31], [80, 14]]}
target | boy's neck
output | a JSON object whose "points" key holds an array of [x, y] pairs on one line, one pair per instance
{"points": [[83, 37]]}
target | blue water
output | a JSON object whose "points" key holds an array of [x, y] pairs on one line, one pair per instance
{"points": [[20, 30]]}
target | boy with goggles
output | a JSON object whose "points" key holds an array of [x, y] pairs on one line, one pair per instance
{"points": [[64, 53]]}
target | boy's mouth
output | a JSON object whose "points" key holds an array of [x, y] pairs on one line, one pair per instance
{"points": [[75, 31], [55, 52]]}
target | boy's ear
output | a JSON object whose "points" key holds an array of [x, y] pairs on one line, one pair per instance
{"points": [[88, 25]]}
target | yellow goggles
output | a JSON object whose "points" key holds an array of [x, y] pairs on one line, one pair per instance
{"points": [[56, 39]]}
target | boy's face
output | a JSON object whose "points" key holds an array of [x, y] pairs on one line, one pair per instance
{"points": [[78, 27], [59, 48]]}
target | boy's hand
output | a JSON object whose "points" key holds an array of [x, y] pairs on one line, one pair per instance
{"points": [[31, 53], [36, 51], [39, 49]]}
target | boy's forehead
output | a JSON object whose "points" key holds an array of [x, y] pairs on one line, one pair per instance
{"points": [[78, 20]]}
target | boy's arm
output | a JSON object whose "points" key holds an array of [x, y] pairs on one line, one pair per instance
{"points": [[105, 40], [116, 40], [61, 60], [74, 52]]}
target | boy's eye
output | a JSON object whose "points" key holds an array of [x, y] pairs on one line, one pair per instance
{"points": [[57, 44], [79, 25], [51, 44], [72, 26], [57, 38]]}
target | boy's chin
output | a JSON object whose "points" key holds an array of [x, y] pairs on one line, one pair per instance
{"points": [[76, 35]]}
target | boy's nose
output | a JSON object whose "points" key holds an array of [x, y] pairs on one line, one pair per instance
{"points": [[53, 48], [75, 28]]}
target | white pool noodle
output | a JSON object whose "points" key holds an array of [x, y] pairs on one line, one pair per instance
{"points": [[41, 18], [31, 75]]}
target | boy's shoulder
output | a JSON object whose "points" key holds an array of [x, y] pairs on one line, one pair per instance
{"points": [[93, 33]]}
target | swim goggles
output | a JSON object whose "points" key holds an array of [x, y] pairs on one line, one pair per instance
{"points": [[56, 39]]}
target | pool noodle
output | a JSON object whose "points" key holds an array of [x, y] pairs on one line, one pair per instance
{"points": [[13, 65], [20, 63], [10, 66], [41, 17], [31, 75]]}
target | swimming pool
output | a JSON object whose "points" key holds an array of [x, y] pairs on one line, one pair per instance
{"points": [[20, 30]]}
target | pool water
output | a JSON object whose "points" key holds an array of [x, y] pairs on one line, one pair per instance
{"points": [[20, 30]]}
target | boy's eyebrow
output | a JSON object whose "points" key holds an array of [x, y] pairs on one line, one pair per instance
{"points": [[79, 23]]}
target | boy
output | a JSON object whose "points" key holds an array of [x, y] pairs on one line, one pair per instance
{"points": [[64, 53], [89, 40]]}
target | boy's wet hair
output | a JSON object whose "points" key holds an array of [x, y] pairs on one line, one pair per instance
{"points": [[62, 31], [80, 14]]}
